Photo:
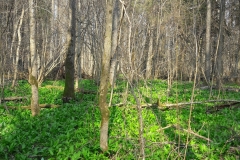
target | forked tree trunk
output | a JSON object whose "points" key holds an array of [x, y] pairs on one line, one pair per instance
{"points": [[33, 70], [68, 93], [104, 80]]}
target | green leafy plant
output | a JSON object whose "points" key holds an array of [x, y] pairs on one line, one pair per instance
{"points": [[72, 130]]}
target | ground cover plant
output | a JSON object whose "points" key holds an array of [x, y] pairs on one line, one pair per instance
{"points": [[71, 131]]}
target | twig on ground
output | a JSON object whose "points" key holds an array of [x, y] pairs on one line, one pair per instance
{"points": [[188, 131]]}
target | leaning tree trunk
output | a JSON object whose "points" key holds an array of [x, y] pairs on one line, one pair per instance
{"points": [[33, 70], [104, 80], [68, 93]]}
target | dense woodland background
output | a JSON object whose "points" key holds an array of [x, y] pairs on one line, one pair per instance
{"points": [[156, 39], [115, 41]]}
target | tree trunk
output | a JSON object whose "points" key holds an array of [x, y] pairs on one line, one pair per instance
{"points": [[149, 56], [220, 44], [33, 70], [18, 48], [52, 46], [208, 41], [104, 80], [68, 93], [237, 54], [15, 26], [79, 43], [114, 52]]}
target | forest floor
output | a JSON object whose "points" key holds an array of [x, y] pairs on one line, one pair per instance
{"points": [[208, 129]]}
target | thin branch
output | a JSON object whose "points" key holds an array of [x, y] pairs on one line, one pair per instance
{"points": [[186, 130]]}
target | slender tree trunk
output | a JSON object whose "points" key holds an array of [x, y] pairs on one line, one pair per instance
{"points": [[149, 56], [104, 81], [1, 69], [68, 93], [208, 42], [237, 54], [52, 28], [33, 70], [18, 48], [79, 40], [220, 44], [114, 60]]}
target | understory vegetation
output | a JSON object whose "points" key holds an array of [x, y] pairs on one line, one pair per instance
{"points": [[71, 131]]}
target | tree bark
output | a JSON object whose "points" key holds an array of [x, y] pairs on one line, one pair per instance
{"points": [[52, 46], [18, 48], [149, 56], [220, 44], [208, 42], [33, 70], [104, 80], [79, 43], [237, 54], [68, 93], [114, 59]]}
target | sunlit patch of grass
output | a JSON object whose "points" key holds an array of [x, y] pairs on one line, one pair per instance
{"points": [[72, 130]]}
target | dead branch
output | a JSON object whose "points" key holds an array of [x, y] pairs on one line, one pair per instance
{"points": [[201, 102], [196, 134], [223, 89], [188, 131], [15, 98], [222, 106], [234, 149], [163, 107]]}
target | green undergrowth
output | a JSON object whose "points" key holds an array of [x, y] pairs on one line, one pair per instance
{"points": [[72, 130]]}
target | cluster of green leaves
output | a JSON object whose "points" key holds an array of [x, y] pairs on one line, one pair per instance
{"points": [[72, 130]]}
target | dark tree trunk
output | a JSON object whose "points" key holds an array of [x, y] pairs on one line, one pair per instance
{"points": [[68, 93]]}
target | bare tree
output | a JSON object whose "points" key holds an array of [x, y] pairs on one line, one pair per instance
{"points": [[220, 45], [104, 80], [53, 28], [18, 47], [208, 42], [33, 68], [115, 33], [68, 93], [149, 55]]}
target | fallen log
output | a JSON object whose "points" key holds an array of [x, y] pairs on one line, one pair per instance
{"points": [[15, 98], [164, 107], [223, 89], [222, 106]]}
